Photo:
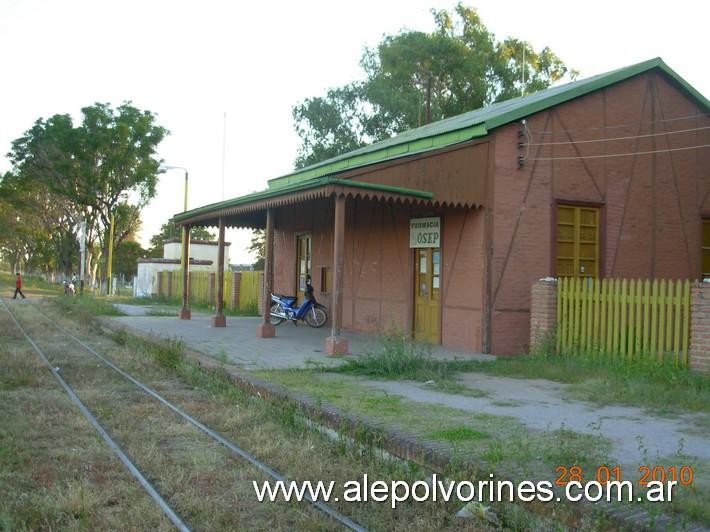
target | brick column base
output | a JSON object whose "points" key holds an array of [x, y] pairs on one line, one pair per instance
{"points": [[265, 330], [336, 345], [699, 352], [219, 320], [543, 311], [185, 314]]}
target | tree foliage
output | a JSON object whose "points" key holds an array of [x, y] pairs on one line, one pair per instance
{"points": [[258, 247], [169, 231], [414, 78], [104, 166]]}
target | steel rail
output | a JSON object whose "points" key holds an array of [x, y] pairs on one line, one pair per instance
{"points": [[326, 509], [169, 512]]}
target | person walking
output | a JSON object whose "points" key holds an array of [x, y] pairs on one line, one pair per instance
{"points": [[18, 287]]}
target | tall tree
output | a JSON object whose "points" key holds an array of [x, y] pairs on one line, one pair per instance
{"points": [[97, 166], [414, 78]]}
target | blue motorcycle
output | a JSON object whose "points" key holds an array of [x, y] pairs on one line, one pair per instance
{"points": [[285, 308]]}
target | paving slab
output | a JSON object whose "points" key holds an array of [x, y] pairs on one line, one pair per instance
{"points": [[293, 347]]}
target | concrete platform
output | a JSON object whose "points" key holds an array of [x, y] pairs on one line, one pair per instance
{"points": [[293, 347]]}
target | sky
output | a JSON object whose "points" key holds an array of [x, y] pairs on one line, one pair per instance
{"points": [[223, 76]]}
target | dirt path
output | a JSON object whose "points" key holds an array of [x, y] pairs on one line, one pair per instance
{"points": [[637, 436]]}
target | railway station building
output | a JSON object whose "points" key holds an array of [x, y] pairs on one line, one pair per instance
{"points": [[442, 230]]}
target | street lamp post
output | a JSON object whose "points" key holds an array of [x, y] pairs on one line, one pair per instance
{"points": [[184, 261]]}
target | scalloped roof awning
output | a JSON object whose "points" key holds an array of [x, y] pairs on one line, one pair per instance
{"points": [[248, 211]]}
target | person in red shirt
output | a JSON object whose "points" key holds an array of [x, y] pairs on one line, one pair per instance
{"points": [[18, 287]]}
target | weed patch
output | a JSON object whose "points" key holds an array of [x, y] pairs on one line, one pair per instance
{"points": [[86, 307], [660, 386], [397, 356], [457, 434]]}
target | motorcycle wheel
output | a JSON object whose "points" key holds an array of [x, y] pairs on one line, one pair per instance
{"points": [[316, 317], [276, 320]]}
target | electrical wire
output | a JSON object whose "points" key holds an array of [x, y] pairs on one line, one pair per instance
{"points": [[621, 126], [630, 137], [618, 154]]}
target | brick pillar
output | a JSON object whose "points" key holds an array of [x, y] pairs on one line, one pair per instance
{"points": [[543, 311], [211, 288], [236, 290], [260, 296], [699, 351], [169, 284]]}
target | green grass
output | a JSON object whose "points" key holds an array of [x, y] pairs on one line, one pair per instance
{"points": [[457, 434], [533, 451], [397, 356], [175, 303], [87, 306], [662, 387], [30, 283]]}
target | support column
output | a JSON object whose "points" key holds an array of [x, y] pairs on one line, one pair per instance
{"points": [[219, 320], [185, 313], [335, 343], [266, 329]]}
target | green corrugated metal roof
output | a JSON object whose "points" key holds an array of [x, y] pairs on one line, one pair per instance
{"points": [[476, 123], [297, 187]]}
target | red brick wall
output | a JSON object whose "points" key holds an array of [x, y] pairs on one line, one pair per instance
{"points": [[700, 327], [378, 280], [651, 205], [543, 311]]}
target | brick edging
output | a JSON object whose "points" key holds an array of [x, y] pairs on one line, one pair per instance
{"points": [[433, 455]]}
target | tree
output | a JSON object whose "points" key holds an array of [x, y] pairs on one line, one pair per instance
{"points": [[258, 247], [169, 231], [414, 78], [33, 228], [125, 258], [98, 167]]}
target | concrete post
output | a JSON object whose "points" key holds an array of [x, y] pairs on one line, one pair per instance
{"points": [[185, 313], [160, 283], [169, 284]]}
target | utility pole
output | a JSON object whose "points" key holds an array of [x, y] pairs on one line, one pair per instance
{"points": [[82, 250], [110, 257]]}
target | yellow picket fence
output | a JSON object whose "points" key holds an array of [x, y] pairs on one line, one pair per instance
{"points": [[200, 288], [632, 318], [249, 289]]}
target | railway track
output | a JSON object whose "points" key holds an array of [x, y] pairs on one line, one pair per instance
{"points": [[52, 343]]}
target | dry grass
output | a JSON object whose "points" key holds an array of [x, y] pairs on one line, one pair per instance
{"points": [[56, 473]]}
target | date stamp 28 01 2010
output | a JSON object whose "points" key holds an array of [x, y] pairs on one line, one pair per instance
{"points": [[684, 475]]}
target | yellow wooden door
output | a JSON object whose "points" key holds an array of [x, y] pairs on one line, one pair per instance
{"points": [[577, 241], [427, 288], [303, 263]]}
